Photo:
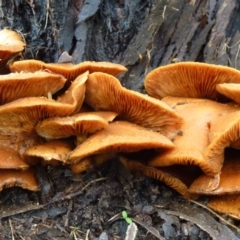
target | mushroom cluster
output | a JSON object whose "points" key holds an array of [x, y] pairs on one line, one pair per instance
{"points": [[187, 129]]}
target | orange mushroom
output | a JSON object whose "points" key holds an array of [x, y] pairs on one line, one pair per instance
{"points": [[9, 159], [189, 79], [229, 177], [49, 153], [119, 136], [226, 204], [230, 90], [11, 44], [68, 70], [104, 92], [191, 144], [75, 125], [13, 178], [19, 85]]}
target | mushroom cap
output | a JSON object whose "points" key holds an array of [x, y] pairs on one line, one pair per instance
{"points": [[229, 178], [48, 151], [11, 160], [69, 71], [226, 204], [168, 175], [21, 116], [230, 90], [77, 124], [189, 79], [119, 136], [104, 92], [14, 178], [75, 94], [224, 130], [191, 144], [19, 85], [11, 43]]}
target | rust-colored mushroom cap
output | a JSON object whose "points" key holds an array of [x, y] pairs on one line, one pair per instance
{"points": [[189, 79], [229, 178], [191, 144], [226, 204], [70, 71], [9, 159], [75, 125], [104, 92], [168, 175], [119, 136], [19, 85], [22, 115], [10, 44], [230, 90], [75, 94], [14, 178], [49, 151], [224, 130]]}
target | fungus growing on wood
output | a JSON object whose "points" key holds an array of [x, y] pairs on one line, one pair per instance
{"points": [[68, 70], [19, 85], [49, 153], [14, 178], [174, 177], [76, 125], [11, 44], [229, 177], [191, 144], [230, 90], [104, 92], [119, 136], [189, 79]]}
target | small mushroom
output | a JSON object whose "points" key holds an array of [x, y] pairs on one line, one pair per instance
{"points": [[230, 90], [51, 152], [75, 125], [19, 85], [11, 45], [119, 136], [175, 177], [14, 178], [68, 70], [104, 92], [190, 80], [229, 177]]}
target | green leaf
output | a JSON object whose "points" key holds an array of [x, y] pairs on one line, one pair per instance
{"points": [[124, 214]]}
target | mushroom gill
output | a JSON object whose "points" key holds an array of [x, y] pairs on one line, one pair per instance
{"points": [[104, 92], [68, 70], [119, 136], [190, 80]]}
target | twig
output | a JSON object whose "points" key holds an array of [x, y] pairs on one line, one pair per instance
{"points": [[12, 230]]}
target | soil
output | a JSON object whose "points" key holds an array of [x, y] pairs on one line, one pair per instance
{"points": [[141, 35]]}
